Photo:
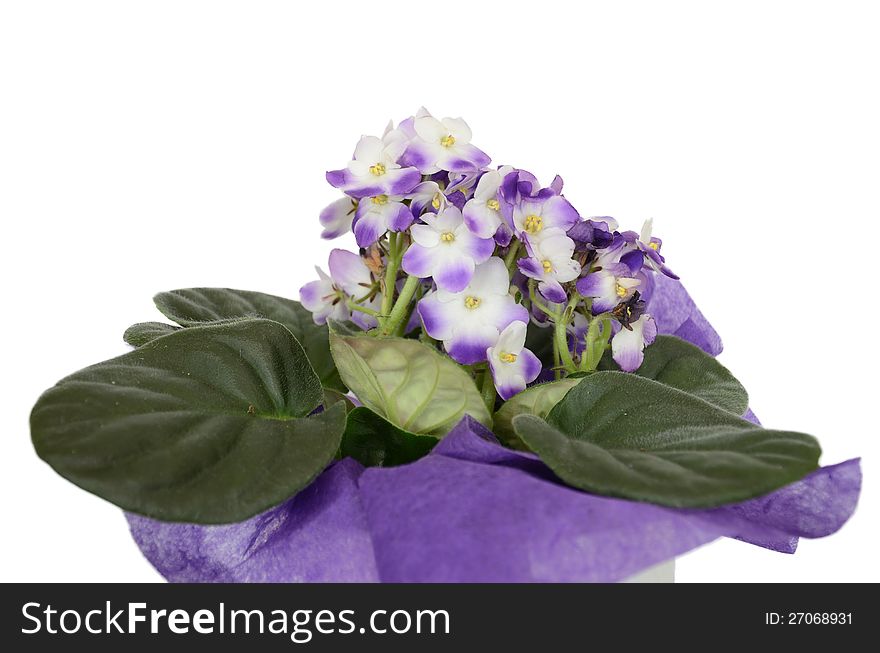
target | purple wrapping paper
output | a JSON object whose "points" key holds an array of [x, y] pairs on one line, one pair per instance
{"points": [[474, 511]]}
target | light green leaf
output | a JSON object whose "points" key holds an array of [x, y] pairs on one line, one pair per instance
{"points": [[538, 400], [626, 436], [204, 425], [407, 382], [196, 306]]}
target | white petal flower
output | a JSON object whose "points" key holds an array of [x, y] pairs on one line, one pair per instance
{"points": [[374, 170], [513, 366], [445, 249], [470, 321], [378, 214], [330, 297], [443, 145], [627, 345], [336, 218], [550, 263], [482, 213]]}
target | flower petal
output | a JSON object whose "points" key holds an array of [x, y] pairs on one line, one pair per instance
{"points": [[453, 273], [420, 260], [369, 228], [437, 319], [480, 219], [425, 235], [491, 278], [470, 342], [349, 271], [559, 213], [336, 218]]}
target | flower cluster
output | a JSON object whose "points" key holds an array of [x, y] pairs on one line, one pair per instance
{"points": [[477, 259]]}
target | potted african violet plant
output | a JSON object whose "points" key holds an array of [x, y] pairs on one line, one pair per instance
{"points": [[492, 388]]}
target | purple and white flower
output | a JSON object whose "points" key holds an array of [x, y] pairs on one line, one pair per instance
{"points": [[535, 216], [482, 213], [378, 214], [322, 299], [350, 280], [336, 218], [374, 170], [443, 145], [549, 262], [612, 284], [513, 366], [427, 197], [445, 249], [469, 322], [628, 344], [651, 248]]}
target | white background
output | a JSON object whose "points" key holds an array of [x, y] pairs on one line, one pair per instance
{"points": [[146, 146]]}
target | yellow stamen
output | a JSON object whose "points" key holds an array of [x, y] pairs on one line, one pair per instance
{"points": [[621, 291], [435, 202], [533, 224], [471, 301], [548, 266], [379, 199], [654, 246], [448, 140], [447, 237], [494, 205], [507, 357], [378, 169]]}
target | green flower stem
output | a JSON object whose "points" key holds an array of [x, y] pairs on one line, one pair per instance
{"points": [[537, 302], [560, 334], [510, 258], [401, 330], [557, 364], [487, 390], [595, 342], [394, 257], [363, 309], [401, 306]]}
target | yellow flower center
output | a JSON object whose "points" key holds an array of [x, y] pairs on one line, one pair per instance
{"points": [[378, 169], [448, 140], [447, 237], [654, 246], [435, 202], [494, 205], [621, 291], [472, 302], [507, 357], [548, 266], [533, 224], [379, 199]]}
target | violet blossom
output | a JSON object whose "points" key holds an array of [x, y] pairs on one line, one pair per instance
{"points": [[470, 321]]}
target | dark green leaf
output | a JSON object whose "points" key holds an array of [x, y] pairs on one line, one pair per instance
{"points": [[204, 425], [407, 382], [680, 364], [196, 306], [626, 436], [375, 442], [141, 333]]}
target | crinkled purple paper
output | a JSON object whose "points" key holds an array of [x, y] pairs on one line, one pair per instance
{"points": [[474, 511]]}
